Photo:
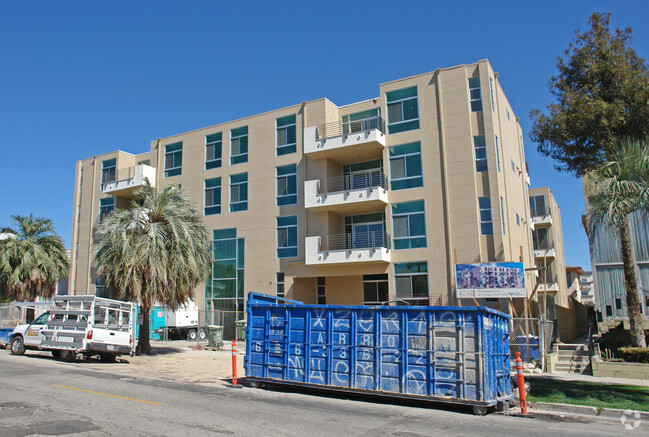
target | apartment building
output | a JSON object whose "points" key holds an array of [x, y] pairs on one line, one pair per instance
{"points": [[364, 203]]}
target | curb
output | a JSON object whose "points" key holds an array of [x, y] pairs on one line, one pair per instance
{"points": [[608, 414], [617, 414], [567, 408]]}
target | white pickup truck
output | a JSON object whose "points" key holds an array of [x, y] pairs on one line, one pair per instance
{"points": [[86, 325]]}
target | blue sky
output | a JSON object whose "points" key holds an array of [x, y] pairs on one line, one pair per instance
{"points": [[85, 78]]}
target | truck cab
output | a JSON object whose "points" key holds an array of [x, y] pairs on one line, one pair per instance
{"points": [[28, 336]]}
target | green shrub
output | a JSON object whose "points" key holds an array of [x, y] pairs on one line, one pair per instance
{"points": [[635, 354]]}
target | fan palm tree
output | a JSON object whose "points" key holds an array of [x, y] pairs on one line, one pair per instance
{"points": [[616, 188], [32, 258], [157, 250]]}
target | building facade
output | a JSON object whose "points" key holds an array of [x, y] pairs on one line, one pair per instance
{"points": [[365, 203]]}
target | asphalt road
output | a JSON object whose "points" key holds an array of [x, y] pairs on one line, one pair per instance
{"points": [[40, 396]]}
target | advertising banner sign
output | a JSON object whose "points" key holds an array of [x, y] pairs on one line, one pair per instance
{"points": [[506, 279]]}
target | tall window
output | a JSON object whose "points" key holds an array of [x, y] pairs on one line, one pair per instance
{"points": [[405, 166], [286, 177], [279, 284], [213, 150], [409, 224], [239, 192], [502, 214], [375, 289], [239, 145], [108, 170], [105, 207], [212, 196], [475, 96], [493, 101], [480, 147], [286, 142], [322, 296], [173, 159], [486, 225], [498, 152], [541, 239], [403, 113], [361, 121], [411, 282], [537, 206], [287, 237]]}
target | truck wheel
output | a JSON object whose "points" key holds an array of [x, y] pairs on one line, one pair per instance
{"points": [[67, 356], [56, 355], [107, 358], [191, 334], [17, 346], [202, 334]]}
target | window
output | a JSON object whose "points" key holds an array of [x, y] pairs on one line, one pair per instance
{"points": [[173, 159], [105, 207], [493, 101], [101, 289], [403, 114], [322, 297], [541, 239], [224, 290], [362, 231], [507, 109], [108, 169], [287, 236], [518, 220], [239, 192], [502, 214], [239, 145], [498, 153], [212, 196], [513, 166], [279, 290], [145, 162], [486, 226], [411, 282], [480, 147], [409, 225], [286, 184], [285, 135], [537, 206], [405, 166], [213, 150], [475, 96], [375, 289], [362, 121]]}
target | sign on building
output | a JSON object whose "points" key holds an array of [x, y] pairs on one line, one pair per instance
{"points": [[490, 280]]}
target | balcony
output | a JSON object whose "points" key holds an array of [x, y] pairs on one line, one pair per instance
{"points": [[367, 247], [544, 253], [357, 193], [129, 180], [550, 287], [362, 139], [542, 221]]}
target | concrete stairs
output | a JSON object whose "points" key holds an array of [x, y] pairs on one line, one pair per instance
{"points": [[573, 358]]}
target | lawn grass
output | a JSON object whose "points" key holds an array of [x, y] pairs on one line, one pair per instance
{"points": [[625, 397]]}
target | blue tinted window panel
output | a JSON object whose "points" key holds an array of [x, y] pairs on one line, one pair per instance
{"points": [[403, 127], [212, 210]]}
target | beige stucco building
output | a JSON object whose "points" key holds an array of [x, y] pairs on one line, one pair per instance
{"points": [[368, 202]]}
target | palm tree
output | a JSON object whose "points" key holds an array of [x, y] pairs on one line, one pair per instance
{"points": [[616, 188], [157, 250], [32, 258]]}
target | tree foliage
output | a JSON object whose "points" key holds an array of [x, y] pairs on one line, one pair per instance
{"points": [[32, 259], [157, 250], [601, 94], [615, 189]]}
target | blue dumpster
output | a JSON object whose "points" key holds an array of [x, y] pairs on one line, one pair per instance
{"points": [[527, 346], [448, 354], [5, 335]]}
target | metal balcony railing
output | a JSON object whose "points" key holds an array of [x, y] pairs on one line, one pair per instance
{"points": [[338, 128], [358, 240], [356, 181]]}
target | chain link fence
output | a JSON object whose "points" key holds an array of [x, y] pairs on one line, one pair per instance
{"points": [[532, 337], [9, 316]]}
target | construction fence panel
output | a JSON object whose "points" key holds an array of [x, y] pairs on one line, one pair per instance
{"points": [[532, 337]]}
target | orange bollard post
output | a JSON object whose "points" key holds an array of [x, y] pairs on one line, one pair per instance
{"points": [[234, 362], [521, 383]]}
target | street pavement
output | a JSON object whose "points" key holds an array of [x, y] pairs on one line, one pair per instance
{"points": [[182, 391]]}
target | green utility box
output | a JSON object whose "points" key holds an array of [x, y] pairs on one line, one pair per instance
{"points": [[215, 335]]}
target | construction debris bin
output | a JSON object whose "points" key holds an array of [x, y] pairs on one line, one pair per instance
{"points": [[445, 354], [241, 329], [5, 335], [214, 335]]}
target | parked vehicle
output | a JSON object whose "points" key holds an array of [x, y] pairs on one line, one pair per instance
{"points": [[86, 325], [183, 323]]}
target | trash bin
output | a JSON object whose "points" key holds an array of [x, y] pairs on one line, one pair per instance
{"points": [[215, 335], [241, 330]]}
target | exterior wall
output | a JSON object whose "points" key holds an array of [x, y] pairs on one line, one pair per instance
{"points": [[450, 191]]}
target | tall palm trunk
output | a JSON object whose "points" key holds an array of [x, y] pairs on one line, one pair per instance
{"points": [[631, 287], [143, 342]]}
